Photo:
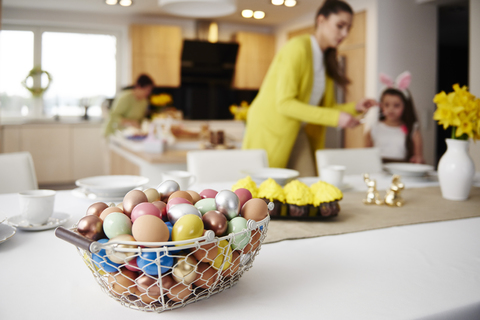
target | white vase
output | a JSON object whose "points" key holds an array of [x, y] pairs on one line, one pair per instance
{"points": [[456, 170]]}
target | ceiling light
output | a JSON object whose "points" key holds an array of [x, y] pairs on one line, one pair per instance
{"points": [[199, 8], [111, 2], [125, 3], [247, 13], [259, 14], [290, 3], [277, 2]]}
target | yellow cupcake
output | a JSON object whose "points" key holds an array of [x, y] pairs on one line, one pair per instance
{"points": [[325, 192], [248, 184], [298, 193], [271, 190]]}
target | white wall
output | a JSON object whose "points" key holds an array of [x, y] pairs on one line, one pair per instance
{"points": [[474, 68]]}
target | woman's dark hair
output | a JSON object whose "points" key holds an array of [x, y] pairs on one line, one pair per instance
{"points": [[409, 116], [330, 55], [144, 81]]}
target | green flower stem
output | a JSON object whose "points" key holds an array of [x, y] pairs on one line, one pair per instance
{"points": [[453, 132]]}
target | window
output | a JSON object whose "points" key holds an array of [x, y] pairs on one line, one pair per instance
{"points": [[82, 67]]}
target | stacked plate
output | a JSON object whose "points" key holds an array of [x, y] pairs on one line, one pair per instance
{"points": [[408, 169], [108, 187], [280, 175]]}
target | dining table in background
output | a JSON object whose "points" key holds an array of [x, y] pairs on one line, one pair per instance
{"points": [[420, 271]]}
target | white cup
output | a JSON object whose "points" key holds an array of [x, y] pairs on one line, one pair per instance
{"points": [[36, 206], [184, 178], [333, 174]]}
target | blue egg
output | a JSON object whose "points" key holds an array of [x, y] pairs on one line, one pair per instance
{"points": [[101, 261], [170, 227], [147, 262]]}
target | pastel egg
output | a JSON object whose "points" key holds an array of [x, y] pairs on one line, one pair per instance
{"points": [[180, 210], [149, 228], [205, 205], [180, 194], [208, 193], [96, 208], [187, 227], [101, 260], [131, 199], [109, 210], [119, 256], [170, 228], [132, 265], [91, 227], [152, 194], [215, 221], [144, 208], [224, 256], [236, 225], [115, 224], [175, 201], [147, 262], [255, 209], [121, 281], [243, 195], [195, 196], [162, 206]]}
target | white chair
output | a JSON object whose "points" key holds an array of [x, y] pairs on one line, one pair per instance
{"points": [[17, 172], [224, 165], [356, 160]]}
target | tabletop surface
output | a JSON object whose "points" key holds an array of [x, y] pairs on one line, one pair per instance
{"points": [[421, 271]]}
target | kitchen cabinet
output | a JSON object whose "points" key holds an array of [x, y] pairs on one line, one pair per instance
{"points": [[254, 56], [156, 51], [61, 152]]}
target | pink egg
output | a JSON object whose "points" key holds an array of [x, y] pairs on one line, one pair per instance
{"points": [[208, 193], [162, 206], [243, 195], [132, 265], [144, 208], [175, 201]]}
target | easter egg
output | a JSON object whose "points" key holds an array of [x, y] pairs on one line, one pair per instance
{"points": [[195, 196], [228, 203], [205, 205], [115, 224], [152, 194], [109, 210], [208, 193], [185, 270], [101, 261], [166, 188], [175, 201], [254, 242], [162, 206], [243, 195], [180, 210], [255, 209], [91, 227], [187, 227], [179, 292], [224, 256], [149, 228], [205, 276], [118, 256], [180, 194], [215, 221], [234, 266], [149, 288], [132, 265], [170, 227], [96, 208], [131, 199], [206, 252], [121, 281], [144, 208], [146, 262], [236, 225]]}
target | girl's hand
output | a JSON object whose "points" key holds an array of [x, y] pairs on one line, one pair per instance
{"points": [[365, 104], [346, 120], [417, 159]]}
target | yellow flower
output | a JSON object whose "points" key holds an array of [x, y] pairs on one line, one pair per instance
{"points": [[239, 112], [161, 99]]}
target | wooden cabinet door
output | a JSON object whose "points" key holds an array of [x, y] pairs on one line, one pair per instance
{"points": [[156, 51], [89, 151], [254, 56]]}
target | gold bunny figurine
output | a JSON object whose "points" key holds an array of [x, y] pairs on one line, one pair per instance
{"points": [[392, 197], [373, 197]]}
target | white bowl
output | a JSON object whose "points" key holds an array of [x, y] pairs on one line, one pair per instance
{"points": [[408, 169], [116, 185], [280, 175]]}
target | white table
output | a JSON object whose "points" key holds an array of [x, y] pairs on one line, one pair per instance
{"points": [[423, 271]]}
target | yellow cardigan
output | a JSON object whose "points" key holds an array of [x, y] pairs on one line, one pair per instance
{"points": [[276, 113]]}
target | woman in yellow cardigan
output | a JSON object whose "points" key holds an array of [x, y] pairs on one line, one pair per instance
{"points": [[299, 88]]}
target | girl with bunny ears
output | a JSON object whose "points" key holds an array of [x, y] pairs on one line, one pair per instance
{"points": [[397, 133]]}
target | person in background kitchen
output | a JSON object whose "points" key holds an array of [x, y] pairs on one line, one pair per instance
{"points": [[296, 100], [129, 108]]}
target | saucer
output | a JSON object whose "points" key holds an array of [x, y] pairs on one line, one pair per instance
{"points": [[84, 194], [57, 219], [6, 232]]}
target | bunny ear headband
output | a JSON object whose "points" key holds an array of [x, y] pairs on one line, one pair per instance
{"points": [[401, 83]]}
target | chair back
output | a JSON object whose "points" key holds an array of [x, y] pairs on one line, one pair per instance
{"points": [[356, 160], [224, 165], [17, 172]]}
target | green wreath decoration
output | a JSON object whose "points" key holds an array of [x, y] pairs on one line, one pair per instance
{"points": [[37, 92]]}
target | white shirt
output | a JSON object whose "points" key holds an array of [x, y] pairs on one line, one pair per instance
{"points": [[390, 140], [318, 73]]}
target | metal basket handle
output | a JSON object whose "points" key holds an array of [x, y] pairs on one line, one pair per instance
{"points": [[76, 239]]}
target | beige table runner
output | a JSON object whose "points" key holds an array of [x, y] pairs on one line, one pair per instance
{"points": [[421, 205]]}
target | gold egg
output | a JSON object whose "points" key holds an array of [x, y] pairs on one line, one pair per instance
{"points": [[185, 270], [121, 257], [152, 194]]}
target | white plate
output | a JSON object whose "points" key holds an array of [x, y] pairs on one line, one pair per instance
{"points": [[116, 185], [3, 217], [57, 219], [84, 194], [408, 169], [280, 175], [311, 180], [6, 232]]}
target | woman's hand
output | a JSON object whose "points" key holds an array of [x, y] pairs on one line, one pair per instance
{"points": [[346, 120], [365, 104], [417, 159]]}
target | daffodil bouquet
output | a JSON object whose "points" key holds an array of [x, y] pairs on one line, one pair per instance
{"points": [[240, 112], [161, 100], [460, 110]]}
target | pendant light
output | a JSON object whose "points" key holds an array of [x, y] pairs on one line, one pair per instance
{"points": [[199, 8]]}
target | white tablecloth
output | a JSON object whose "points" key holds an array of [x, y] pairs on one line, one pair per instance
{"points": [[423, 271]]}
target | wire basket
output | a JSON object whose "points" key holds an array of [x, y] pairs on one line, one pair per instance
{"points": [[160, 276]]}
